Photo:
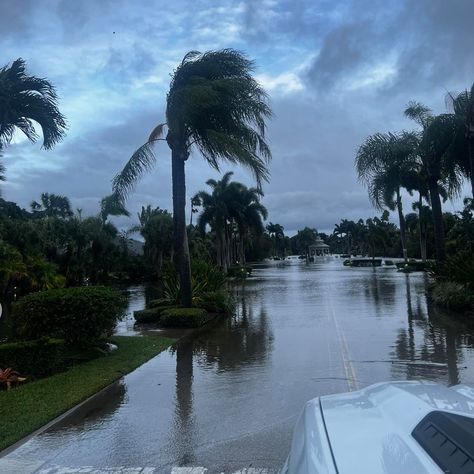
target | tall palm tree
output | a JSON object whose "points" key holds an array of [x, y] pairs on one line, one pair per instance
{"points": [[216, 106], [437, 137], [463, 107], [27, 99], [383, 162], [218, 213], [249, 215]]}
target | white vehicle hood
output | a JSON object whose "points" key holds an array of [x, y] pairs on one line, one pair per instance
{"points": [[369, 431]]}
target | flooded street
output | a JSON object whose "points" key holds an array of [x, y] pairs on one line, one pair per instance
{"points": [[228, 397]]}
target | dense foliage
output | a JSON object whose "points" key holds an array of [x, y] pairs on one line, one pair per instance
{"points": [[78, 315]]}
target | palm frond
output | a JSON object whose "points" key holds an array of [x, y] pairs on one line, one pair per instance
{"points": [[418, 112], [157, 132], [142, 161]]}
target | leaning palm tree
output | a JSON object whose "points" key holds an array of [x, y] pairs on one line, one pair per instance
{"points": [[384, 162], [27, 99], [215, 106], [437, 138]]}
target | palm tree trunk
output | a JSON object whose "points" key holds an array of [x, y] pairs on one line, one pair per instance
{"points": [[421, 230], [401, 218], [471, 163], [437, 219], [181, 249]]}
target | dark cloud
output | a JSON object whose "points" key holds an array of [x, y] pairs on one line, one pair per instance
{"points": [[335, 71]]}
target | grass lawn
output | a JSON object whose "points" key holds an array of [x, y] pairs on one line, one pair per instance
{"points": [[28, 407]]}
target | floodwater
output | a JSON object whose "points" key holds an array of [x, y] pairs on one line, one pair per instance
{"points": [[228, 397]]}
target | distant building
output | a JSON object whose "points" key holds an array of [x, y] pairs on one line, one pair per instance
{"points": [[318, 249]]}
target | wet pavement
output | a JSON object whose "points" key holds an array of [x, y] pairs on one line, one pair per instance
{"points": [[226, 399]]}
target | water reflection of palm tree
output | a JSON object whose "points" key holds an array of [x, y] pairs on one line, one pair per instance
{"points": [[184, 401], [244, 339], [438, 346], [185, 441]]}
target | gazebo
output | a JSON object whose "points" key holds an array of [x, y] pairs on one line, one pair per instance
{"points": [[318, 249]]}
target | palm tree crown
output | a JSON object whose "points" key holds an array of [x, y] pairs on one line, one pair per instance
{"points": [[215, 105], [26, 99]]}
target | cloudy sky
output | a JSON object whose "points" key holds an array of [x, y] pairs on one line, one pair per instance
{"points": [[336, 71]]}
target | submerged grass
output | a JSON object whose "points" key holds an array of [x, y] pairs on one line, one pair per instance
{"points": [[27, 408]]}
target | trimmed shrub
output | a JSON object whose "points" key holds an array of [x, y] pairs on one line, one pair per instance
{"points": [[150, 315], [184, 317], [79, 315], [37, 358]]}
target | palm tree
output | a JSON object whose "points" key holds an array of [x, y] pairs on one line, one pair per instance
{"points": [[52, 205], [112, 205], [249, 215], [276, 231], [218, 214], [384, 162], [216, 106], [27, 99], [463, 108], [156, 227], [439, 168]]}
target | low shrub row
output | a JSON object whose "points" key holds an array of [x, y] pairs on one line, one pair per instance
{"points": [[150, 315], [37, 358]]}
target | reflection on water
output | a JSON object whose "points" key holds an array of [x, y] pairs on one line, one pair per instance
{"points": [[434, 343], [233, 390]]}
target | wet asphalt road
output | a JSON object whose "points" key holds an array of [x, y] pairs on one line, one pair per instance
{"points": [[227, 398]]}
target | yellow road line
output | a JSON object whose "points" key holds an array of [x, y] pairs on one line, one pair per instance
{"points": [[346, 358]]}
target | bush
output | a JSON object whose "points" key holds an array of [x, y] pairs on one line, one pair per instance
{"points": [[150, 315], [184, 317], [37, 358], [205, 278], [414, 266], [216, 302], [80, 315], [452, 295], [458, 268]]}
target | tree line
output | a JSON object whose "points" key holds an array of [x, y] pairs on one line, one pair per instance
{"points": [[432, 161]]}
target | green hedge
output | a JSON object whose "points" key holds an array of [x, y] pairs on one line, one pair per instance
{"points": [[184, 317], [79, 315], [37, 358]]}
